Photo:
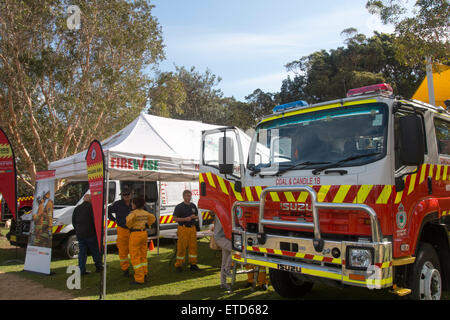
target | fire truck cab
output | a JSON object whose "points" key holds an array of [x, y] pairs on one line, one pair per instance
{"points": [[350, 192]]}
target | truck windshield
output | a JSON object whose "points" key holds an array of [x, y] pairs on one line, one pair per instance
{"points": [[317, 138], [71, 193]]}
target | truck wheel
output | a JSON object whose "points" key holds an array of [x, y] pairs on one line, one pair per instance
{"points": [[71, 248], [425, 277], [287, 285]]}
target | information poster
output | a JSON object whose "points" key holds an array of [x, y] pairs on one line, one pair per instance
{"points": [[39, 249]]}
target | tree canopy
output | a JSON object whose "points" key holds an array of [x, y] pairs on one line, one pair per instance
{"points": [[422, 33], [67, 79]]}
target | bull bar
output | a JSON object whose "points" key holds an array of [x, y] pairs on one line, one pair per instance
{"points": [[382, 248]]}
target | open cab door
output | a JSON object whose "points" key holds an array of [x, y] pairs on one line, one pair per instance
{"points": [[222, 172], [222, 155]]}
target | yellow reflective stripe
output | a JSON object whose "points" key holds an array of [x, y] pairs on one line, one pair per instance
{"points": [[180, 258], [258, 191], [289, 196], [352, 103], [275, 197], [222, 185], [248, 192], [292, 113], [412, 183], [398, 197], [210, 179], [122, 260], [140, 265], [430, 173], [236, 194], [363, 192], [303, 196], [200, 178], [192, 256], [341, 194], [305, 270], [438, 172], [422, 173], [297, 255], [385, 194], [376, 282], [322, 193], [444, 174]]}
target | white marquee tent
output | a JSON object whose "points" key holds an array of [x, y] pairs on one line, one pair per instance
{"points": [[151, 148]]}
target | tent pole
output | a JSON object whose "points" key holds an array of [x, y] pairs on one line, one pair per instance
{"points": [[105, 228], [429, 68], [158, 211]]}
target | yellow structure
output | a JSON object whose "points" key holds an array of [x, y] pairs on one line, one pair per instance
{"points": [[441, 80]]}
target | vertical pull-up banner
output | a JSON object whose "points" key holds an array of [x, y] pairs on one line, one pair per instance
{"points": [[8, 180], [39, 249], [96, 176]]}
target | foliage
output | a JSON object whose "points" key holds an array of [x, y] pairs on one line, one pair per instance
{"points": [[60, 82], [420, 34], [364, 61]]}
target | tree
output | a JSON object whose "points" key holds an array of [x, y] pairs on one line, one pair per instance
{"points": [[188, 95], [69, 76], [422, 34], [364, 61]]}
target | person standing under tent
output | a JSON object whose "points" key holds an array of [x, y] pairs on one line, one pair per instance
{"points": [[83, 223], [186, 214], [122, 209], [136, 222]]}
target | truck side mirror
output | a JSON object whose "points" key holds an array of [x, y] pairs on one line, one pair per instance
{"points": [[226, 155], [412, 144]]}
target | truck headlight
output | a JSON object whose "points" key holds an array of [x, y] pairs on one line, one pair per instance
{"points": [[236, 241], [359, 258]]}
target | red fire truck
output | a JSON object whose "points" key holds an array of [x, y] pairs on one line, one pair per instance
{"points": [[351, 192], [24, 204]]}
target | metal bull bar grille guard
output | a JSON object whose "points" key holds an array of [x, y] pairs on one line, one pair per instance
{"points": [[315, 205]]}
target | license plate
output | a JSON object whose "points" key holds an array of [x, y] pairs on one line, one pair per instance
{"points": [[284, 267], [13, 238]]}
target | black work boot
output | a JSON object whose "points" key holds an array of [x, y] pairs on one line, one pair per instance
{"points": [[194, 267]]}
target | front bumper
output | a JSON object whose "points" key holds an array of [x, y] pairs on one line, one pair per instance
{"points": [[306, 261]]}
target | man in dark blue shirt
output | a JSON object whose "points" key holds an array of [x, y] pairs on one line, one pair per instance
{"points": [[122, 209], [186, 214], [83, 223]]}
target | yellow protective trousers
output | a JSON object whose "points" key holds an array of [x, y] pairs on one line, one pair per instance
{"points": [[122, 243], [262, 276], [138, 254], [187, 238]]}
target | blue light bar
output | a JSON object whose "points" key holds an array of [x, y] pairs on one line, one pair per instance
{"points": [[290, 105]]}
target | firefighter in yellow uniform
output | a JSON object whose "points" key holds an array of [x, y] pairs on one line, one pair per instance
{"points": [[262, 277], [136, 222], [122, 209], [186, 214]]}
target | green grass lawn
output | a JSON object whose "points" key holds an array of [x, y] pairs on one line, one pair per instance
{"points": [[164, 282]]}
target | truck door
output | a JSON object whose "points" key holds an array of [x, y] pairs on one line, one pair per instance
{"points": [[221, 173]]}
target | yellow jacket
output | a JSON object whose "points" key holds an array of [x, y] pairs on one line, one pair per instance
{"points": [[138, 218]]}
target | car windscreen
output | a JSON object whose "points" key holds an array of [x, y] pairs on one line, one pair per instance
{"points": [[71, 193], [322, 137]]}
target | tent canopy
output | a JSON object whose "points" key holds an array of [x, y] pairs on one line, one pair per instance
{"points": [[151, 148], [441, 81]]}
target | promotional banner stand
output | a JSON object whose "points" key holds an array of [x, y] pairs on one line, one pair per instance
{"points": [[9, 177], [105, 231]]}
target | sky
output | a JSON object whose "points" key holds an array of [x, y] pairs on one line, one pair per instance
{"points": [[247, 43]]}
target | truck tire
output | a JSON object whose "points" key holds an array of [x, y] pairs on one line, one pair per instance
{"points": [[70, 247], [424, 278], [287, 286]]}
